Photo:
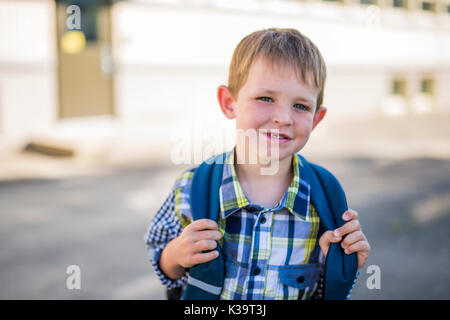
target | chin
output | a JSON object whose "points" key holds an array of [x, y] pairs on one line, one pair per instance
{"points": [[269, 156]]}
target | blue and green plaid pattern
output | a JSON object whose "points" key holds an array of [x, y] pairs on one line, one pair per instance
{"points": [[257, 241]]}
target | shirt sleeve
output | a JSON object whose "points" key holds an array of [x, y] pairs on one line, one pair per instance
{"points": [[164, 227]]}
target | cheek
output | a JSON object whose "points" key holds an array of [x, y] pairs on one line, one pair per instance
{"points": [[251, 116], [303, 126]]}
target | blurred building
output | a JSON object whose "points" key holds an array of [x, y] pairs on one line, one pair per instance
{"points": [[147, 68]]}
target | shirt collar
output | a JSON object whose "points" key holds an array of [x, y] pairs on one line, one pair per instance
{"points": [[232, 197]]}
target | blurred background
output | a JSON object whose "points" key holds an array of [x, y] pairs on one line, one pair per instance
{"points": [[104, 103]]}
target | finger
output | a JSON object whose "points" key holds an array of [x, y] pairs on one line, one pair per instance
{"points": [[351, 238], [205, 245], [325, 240], [327, 237], [350, 215], [347, 228], [208, 235], [204, 257], [204, 224], [360, 247]]}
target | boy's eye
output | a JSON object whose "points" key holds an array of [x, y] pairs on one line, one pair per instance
{"points": [[265, 99], [301, 107]]}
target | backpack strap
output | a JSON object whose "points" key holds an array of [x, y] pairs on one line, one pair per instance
{"points": [[328, 198], [205, 280]]}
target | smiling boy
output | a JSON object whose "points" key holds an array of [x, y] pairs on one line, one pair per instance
{"points": [[268, 230]]}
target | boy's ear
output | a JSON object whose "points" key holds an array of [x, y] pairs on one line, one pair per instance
{"points": [[318, 116], [226, 102]]}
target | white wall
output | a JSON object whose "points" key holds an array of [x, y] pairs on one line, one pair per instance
{"points": [[27, 68], [364, 49], [171, 58]]}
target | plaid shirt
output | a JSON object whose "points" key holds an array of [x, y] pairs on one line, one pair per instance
{"points": [[258, 245]]}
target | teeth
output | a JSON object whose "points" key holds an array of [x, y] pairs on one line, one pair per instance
{"points": [[275, 135]]}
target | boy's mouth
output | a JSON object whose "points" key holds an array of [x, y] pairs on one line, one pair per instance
{"points": [[277, 137]]}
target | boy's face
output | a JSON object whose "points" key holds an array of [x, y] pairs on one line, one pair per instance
{"points": [[273, 99]]}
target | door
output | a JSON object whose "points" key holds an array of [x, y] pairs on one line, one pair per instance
{"points": [[85, 65]]}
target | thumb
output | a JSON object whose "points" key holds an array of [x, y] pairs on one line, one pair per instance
{"points": [[325, 240]]}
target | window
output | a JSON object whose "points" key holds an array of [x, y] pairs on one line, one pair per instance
{"points": [[399, 3], [428, 6], [398, 87], [427, 86], [367, 1], [89, 18]]}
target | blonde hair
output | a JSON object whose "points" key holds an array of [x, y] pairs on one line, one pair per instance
{"points": [[286, 46]]}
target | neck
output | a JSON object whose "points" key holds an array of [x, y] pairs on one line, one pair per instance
{"points": [[252, 172]]}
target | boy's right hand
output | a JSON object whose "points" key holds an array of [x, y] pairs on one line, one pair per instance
{"points": [[187, 250], [200, 235]]}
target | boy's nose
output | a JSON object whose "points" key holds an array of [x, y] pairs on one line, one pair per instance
{"points": [[282, 115]]}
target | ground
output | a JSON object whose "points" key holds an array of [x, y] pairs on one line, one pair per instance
{"points": [[98, 223], [57, 213]]}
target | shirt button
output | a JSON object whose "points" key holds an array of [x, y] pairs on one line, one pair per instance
{"points": [[263, 220], [300, 279], [256, 271]]}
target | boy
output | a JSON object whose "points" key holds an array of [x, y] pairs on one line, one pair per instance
{"points": [[267, 230]]}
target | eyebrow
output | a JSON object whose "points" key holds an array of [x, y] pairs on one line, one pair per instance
{"points": [[269, 91]]}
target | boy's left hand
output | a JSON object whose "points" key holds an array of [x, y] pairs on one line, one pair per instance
{"points": [[354, 241]]}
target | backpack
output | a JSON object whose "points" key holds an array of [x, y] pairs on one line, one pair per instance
{"points": [[205, 280]]}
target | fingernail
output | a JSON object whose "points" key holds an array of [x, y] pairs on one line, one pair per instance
{"points": [[336, 233], [346, 216], [346, 251]]}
